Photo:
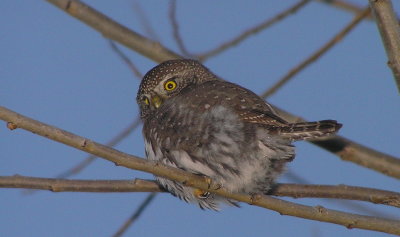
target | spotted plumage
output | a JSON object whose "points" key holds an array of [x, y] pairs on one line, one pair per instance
{"points": [[207, 126]]}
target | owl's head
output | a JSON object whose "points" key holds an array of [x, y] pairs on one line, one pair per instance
{"points": [[167, 80]]}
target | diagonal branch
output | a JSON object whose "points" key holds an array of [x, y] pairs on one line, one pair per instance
{"points": [[315, 56], [175, 29], [347, 6], [319, 213], [254, 30], [126, 60], [88, 160], [146, 202], [139, 185], [115, 31], [389, 29], [144, 21], [351, 151]]}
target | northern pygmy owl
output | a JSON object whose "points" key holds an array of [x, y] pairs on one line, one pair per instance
{"points": [[202, 124]]}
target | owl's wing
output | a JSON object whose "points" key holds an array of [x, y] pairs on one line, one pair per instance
{"points": [[262, 117], [292, 131], [252, 109], [276, 125]]}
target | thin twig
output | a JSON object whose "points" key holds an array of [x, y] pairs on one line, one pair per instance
{"points": [[138, 185], [15, 120], [389, 29], [115, 31], [338, 37], [347, 6], [351, 151], [254, 30], [138, 212], [125, 59], [145, 22], [175, 29]]}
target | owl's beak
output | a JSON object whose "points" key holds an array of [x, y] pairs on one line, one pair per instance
{"points": [[156, 101]]}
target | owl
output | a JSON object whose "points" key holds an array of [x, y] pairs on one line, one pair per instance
{"points": [[197, 122]]}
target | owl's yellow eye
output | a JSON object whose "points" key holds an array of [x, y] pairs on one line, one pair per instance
{"points": [[170, 85], [146, 100]]}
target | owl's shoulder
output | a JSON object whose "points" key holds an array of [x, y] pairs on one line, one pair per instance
{"points": [[248, 105], [222, 92], [214, 98]]}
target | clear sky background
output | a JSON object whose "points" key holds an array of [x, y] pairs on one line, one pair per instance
{"points": [[55, 69]]}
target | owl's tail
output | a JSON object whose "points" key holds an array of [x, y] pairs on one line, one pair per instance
{"points": [[308, 130]]}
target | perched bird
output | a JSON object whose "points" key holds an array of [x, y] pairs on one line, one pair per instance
{"points": [[204, 125]]}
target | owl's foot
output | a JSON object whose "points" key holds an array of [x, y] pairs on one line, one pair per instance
{"points": [[212, 185], [254, 198], [201, 194]]}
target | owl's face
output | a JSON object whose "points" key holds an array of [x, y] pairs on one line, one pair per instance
{"points": [[167, 80]]}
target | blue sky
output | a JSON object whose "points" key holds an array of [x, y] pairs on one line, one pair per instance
{"points": [[55, 69]]}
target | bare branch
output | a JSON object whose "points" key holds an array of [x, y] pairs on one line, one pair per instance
{"points": [[175, 29], [351, 151], [254, 30], [388, 26], [337, 38], [145, 22], [125, 58], [322, 214], [115, 31], [114, 141], [347, 6], [339, 192], [356, 206], [138, 185], [146, 202], [76, 169], [76, 185], [119, 158]]}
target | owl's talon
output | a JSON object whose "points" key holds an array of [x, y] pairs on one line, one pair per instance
{"points": [[254, 198], [208, 180], [216, 186], [201, 194], [210, 184]]}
